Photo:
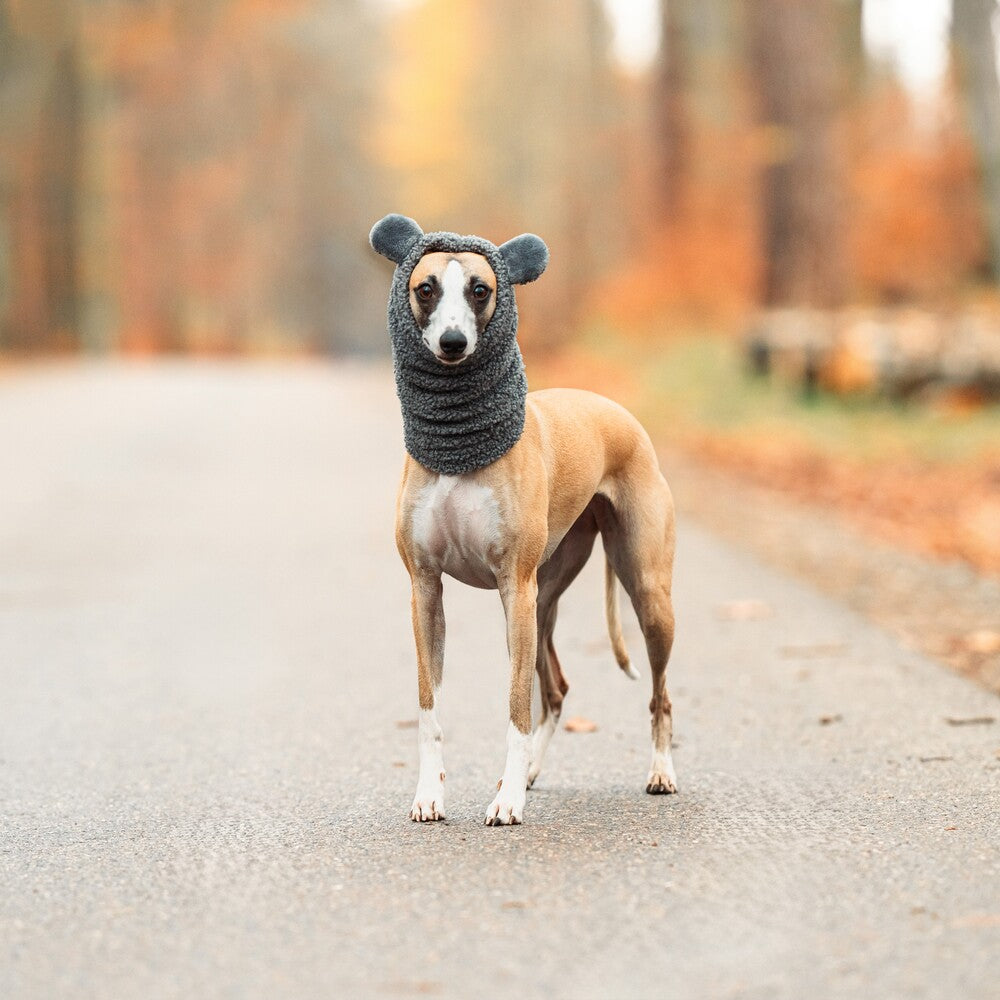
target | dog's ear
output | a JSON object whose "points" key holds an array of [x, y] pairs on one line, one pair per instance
{"points": [[394, 236], [526, 257]]}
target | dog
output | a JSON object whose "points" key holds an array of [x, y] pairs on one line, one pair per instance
{"points": [[525, 523]]}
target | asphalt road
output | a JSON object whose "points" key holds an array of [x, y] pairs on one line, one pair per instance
{"points": [[206, 760]]}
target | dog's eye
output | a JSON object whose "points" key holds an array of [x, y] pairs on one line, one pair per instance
{"points": [[424, 291], [480, 292]]}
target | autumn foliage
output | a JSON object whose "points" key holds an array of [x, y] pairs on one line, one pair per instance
{"points": [[200, 176]]}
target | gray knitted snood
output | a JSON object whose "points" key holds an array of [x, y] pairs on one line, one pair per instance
{"points": [[458, 418]]}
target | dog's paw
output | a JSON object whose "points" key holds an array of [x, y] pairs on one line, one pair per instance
{"points": [[427, 806], [507, 809], [661, 783]]}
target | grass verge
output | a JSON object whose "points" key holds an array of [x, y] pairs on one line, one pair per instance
{"points": [[922, 476]]}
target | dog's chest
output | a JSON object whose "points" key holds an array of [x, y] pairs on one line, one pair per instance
{"points": [[456, 527]]}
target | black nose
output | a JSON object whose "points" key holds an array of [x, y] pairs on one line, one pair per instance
{"points": [[453, 342]]}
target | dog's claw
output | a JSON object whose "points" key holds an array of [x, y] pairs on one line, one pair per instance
{"points": [[426, 812], [505, 813], [660, 784], [511, 820]]}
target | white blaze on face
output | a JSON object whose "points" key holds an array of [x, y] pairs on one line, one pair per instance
{"points": [[453, 311]]}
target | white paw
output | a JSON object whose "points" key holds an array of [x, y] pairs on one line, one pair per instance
{"points": [[507, 809], [662, 778], [428, 805], [533, 772], [662, 781]]}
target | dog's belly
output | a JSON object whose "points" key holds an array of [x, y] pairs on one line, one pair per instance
{"points": [[456, 528]]}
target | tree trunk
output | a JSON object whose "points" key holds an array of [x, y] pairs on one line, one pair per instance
{"points": [[794, 65], [672, 121], [60, 159], [975, 52]]}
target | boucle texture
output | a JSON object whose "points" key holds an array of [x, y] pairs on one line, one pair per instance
{"points": [[458, 418]]}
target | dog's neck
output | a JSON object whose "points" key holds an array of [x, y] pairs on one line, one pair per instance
{"points": [[458, 418], [462, 418]]}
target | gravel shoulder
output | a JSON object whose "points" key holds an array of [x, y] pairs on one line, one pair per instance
{"points": [[943, 608]]}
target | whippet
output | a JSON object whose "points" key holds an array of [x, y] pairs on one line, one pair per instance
{"points": [[525, 523]]}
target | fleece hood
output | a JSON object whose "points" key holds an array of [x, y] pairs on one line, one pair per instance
{"points": [[458, 418]]}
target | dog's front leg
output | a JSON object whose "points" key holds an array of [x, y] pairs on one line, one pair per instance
{"points": [[428, 632], [519, 592]]}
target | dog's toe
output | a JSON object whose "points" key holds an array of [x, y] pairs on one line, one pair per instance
{"points": [[660, 784], [426, 811], [502, 813]]}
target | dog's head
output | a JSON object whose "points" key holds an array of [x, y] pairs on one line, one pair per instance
{"points": [[453, 294], [452, 298]]}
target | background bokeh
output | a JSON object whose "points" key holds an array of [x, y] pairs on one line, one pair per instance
{"points": [[808, 190], [199, 175]]}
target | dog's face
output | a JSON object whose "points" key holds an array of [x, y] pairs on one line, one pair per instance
{"points": [[453, 297]]}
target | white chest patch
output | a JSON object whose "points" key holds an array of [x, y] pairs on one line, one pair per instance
{"points": [[456, 527]]}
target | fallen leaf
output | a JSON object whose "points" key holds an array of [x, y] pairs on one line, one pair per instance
{"points": [[984, 640], [425, 987], [951, 827], [825, 720], [406, 724], [971, 720], [514, 904], [578, 724], [747, 609]]}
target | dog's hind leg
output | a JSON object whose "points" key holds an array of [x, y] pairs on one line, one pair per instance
{"points": [[554, 577], [639, 540], [428, 633], [658, 630]]}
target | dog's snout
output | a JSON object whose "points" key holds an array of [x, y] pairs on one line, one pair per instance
{"points": [[453, 342]]}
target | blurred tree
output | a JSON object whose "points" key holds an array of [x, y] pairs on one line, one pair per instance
{"points": [[98, 270], [693, 89], [187, 174], [976, 56], [796, 71], [246, 181], [853, 57], [672, 122], [693, 93], [40, 136], [704, 190], [545, 118], [500, 118]]}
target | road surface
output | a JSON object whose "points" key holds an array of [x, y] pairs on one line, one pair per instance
{"points": [[207, 754]]}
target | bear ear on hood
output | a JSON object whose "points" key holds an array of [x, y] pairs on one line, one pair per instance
{"points": [[526, 257], [394, 236]]}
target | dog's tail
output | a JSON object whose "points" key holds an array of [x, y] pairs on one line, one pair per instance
{"points": [[615, 621]]}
